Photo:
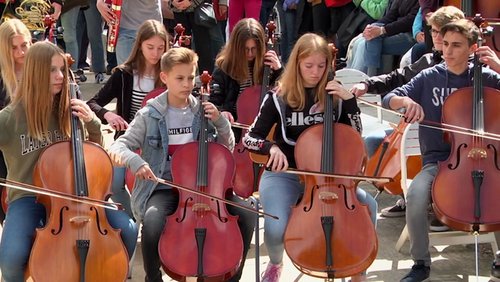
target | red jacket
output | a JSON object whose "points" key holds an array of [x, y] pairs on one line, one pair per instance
{"points": [[336, 3]]}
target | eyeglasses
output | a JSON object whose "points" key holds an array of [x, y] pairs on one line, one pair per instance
{"points": [[251, 50], [434, 32]]}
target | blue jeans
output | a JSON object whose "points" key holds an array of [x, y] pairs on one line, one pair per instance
{"points": [[120, 193], [69, 22], [372, 142], [126, 40], [93, 21], [356, 59], [278, 193], [94, 31], [417, 202], [393, 45], [24, 216], [288, 33]]}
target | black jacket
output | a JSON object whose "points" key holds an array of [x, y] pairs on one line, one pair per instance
{"points": [[229, 89], [119, 86], [384, 83], [400, 16]]}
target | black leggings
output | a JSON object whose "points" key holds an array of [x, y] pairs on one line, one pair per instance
{"points": [[163, 203]]}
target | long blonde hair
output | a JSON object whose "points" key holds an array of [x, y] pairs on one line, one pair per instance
{"points": [[136, 60], [291, 83], [34, 91], [8, 30], [232, 58]]}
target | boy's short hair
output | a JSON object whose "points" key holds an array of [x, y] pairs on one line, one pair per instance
{"points": [[177, 56], [463, 26], [445, 15]]}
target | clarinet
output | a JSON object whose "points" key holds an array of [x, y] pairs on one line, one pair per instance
{"points": [[113, 28]]}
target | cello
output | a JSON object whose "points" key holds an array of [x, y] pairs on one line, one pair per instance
{"points": [[247, 108], [386, 161], [465, 190], [330, 234], [88, 248], [201, 239]]}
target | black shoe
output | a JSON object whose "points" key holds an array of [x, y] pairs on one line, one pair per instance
{"points": [[99, 78], [436, 226], [398, 210], [419, 272]]}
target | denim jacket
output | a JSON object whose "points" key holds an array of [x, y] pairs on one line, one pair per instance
{"points": [[149, 132]]}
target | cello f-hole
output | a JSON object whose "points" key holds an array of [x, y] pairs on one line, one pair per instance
{"points": [[241, 151], [99, 228], [454, 166], [348, 206], [495, 155], [56, 232], [222, 219], [308, 208], [179, 220]]}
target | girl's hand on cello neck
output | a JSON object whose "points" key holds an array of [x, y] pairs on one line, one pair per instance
{"points": [[333, 87], [271, 59], [277, 160], [82, 110]]}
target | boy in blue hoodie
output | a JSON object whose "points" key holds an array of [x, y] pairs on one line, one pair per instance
{"points": [[423, 98]]}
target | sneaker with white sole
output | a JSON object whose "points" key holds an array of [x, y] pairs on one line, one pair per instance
{"points": [[398, 210], [272, 273]]}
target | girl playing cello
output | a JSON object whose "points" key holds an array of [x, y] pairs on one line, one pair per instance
{"points": [[38, 116], [15, 38], [234, 74], [129, 84], [295, 107], [165, 123]]}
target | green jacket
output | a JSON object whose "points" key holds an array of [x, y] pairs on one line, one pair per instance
{"points": [[374, 8]]}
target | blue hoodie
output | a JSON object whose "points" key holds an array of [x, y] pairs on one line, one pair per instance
{"points": [[429, 89]]}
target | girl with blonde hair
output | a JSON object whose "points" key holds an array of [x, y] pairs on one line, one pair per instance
{"points": [[38, 116], [296, 104], [15, 38]]}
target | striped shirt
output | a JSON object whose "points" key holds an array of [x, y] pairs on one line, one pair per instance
{"points": [[140, 89]]}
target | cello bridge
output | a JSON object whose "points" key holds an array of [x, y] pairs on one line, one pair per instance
{"points": [[200, 207], [80, 219], [327, 196], [477, 154]]}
